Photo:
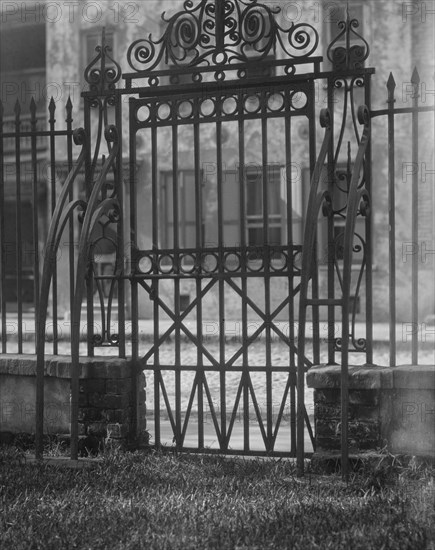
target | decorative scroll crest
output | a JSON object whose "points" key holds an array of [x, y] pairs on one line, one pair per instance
{"points": [[103, 72], [351, 56], [221, 32]]}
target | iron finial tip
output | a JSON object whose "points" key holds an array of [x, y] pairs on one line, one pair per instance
{"points": [[415, 78], [391, 83]]}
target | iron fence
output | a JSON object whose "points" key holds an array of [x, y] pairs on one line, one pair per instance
{"points": [[30, 174], [92, 185]]}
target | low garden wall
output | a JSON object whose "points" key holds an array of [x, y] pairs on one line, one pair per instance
{"points": [[392, 407], [105, 399]]}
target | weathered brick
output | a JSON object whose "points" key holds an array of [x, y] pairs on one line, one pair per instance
{"points": [[83, 400], [327, 443], [363, 430], [117, 431], [90, 414], [117, 415], [325, 428], [327, 396], [364, 413], [141, 382], [118, 386], [109, 401], [96, 385], [327, 411], [364, 397]]}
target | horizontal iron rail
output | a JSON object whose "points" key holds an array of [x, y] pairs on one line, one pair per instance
{"points": [[188, 70], [401, 111], [228, 85], [37, 133]]}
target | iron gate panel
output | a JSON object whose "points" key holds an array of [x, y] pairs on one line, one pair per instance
{"points": [[220, 267]]}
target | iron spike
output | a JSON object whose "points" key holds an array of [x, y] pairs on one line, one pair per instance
{"points": [[391, 83], [33, 109], [415, 78], [17, 109]]}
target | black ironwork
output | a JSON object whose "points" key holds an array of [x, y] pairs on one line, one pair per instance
{"points": [[247, 66], [413, 113], [351, 56], [219, 37]]}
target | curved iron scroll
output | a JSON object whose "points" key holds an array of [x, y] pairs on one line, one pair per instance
{"points": [[221, 33], [60, 217], [358, 204], [352, 55], [95, 208], [317, 201]]}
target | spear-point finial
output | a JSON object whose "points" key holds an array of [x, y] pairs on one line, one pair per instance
{"points": [[32, 107], [17, 109], [415, 78], [52, 107], [391, 86], [391, 83]]}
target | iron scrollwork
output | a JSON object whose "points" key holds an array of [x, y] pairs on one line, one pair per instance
{"points": [[104, 268], [103, 72], [351, 56], [218, 34]]}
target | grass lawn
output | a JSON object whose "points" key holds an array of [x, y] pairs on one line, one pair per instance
{"points": [[152, 501]]}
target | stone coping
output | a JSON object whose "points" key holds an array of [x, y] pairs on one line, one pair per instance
{"points": [[365, 377], [59, 366]]}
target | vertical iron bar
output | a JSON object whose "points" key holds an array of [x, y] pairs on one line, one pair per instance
{"points": [[71, 247], [2, 238], [120, 267], [221, 258], [75, 334], [89, 182], [330, 223], [220, 25], [315, 279], [267, 255], [244, 260], [198, 234], [177, 227], [391, 85], [155, 282], [35, 214], [345, 388], [18, 232], [369, 238], [290, 244], [415, 79], [51, 122], [133, 248]]}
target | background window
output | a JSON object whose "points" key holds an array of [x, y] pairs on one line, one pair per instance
{"points": [[186, 209], [22, 67], [254, 207]]}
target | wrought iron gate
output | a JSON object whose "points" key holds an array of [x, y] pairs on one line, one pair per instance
{"points": [[222, 133]]}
